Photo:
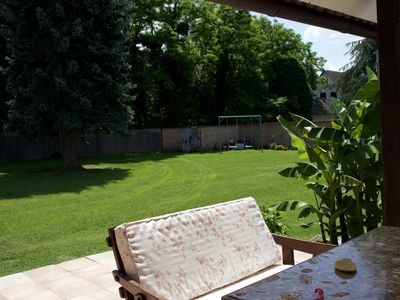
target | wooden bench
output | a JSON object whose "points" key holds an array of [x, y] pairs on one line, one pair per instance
{"points": [[202, 253]]}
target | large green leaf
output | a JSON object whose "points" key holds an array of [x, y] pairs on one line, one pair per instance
{"points": [[297, 140], [319, 188], [369, 91], [372, 121], [289, 205], [349, 181], [317, 157], [308, 225], [371, 75], [367, 151], [340, 110], [302, 123], [303, 170], [375, 170], [325, 134], [306, 211], [293, 172]]}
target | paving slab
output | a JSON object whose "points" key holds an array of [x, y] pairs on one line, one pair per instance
{"points": [[46, 295], [13, 280], [100, 295], [22, 290]]}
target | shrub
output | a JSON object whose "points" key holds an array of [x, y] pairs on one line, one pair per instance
{"points": [[271, 218]]}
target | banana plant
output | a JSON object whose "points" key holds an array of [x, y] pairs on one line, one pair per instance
{"points": [[342, 164]]}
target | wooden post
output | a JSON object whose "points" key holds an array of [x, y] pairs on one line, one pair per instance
{"points": [[388, 12]]}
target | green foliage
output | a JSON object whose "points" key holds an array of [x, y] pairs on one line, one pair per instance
{"points": [[275, 107], [289, 80], [275, 146], [272, 218], [164, 63], [363, 54], [3, 66], [68, 68], [209, 60], [344, 166]]}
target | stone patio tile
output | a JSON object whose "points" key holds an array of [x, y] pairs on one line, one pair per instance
{"points": [[2, 298], [100, 295], [77, 264], [47, 274], [99, 275], [21, 290], [114, 290], [14, 279], [71, 287], [46, 295], [104, 258]]}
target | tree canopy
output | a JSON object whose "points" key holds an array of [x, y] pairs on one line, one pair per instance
{"points": [[68, 70], [294, 86], [208, 60], [363, 55]]}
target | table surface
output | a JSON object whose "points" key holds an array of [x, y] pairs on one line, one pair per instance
{"points": [[375, 254]]}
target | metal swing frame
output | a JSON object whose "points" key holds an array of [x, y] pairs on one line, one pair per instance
{"points": [[237, 117]]}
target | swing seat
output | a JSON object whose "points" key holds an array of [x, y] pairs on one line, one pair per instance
{"points": [[240, 146]]}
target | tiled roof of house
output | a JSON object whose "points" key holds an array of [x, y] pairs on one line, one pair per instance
{"points": [[334, 75]]}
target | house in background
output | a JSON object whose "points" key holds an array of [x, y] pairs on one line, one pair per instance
{"points": [[327, 88], [327, 85]]}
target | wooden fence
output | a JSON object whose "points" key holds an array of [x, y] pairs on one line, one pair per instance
{"points": [[14, 147]]}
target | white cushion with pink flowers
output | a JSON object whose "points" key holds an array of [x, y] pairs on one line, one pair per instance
{"points": [[190, 253]]}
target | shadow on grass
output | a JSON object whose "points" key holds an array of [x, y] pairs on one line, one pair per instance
{"points": [[23, 185], [31, 178], [130, 158]]}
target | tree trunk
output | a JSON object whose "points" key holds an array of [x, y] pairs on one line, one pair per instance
{"points": [[70, 158]]}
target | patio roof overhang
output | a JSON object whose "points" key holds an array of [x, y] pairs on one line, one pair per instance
{"points": [[379, 19], [352, 16]]}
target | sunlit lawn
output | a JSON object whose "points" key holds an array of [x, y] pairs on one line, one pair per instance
{"points": [[47, 216]]}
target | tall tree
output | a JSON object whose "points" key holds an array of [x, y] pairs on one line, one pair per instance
{"points": [[68, 69], [362, 55], [163, 56], [289, 80], [3, 66]]}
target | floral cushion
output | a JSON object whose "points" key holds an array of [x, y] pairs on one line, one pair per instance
{"points": [[190, 253]]}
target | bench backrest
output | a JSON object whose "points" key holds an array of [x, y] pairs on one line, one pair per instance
{"points": [[190, 253]]}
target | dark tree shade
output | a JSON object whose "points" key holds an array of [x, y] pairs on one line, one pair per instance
{"points": [[3, 66], [68, 69], [289, 80]]}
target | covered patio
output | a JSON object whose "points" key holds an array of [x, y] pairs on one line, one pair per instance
{"points": [[378, 19]]}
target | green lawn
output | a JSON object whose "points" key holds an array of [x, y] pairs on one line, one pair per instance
{"points": [[47, 217]]}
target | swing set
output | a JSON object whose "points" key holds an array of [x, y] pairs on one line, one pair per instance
{"points": [[240, 139]]}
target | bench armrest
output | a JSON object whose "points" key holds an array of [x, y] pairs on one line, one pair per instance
{"points": [[291, 244]]}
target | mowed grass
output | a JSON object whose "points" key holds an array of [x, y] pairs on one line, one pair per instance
{"points": [[47, 217]]}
